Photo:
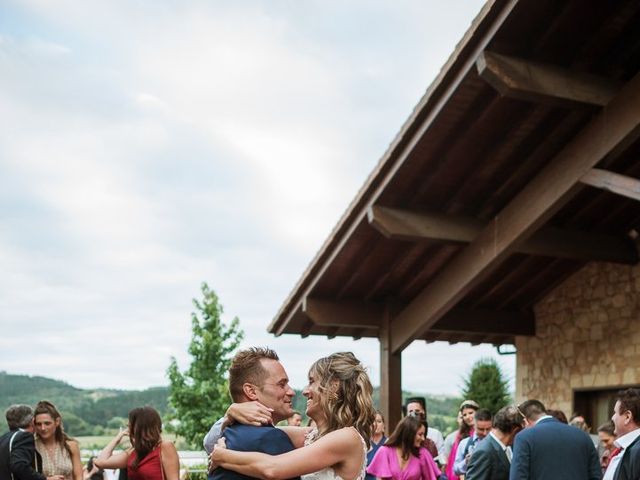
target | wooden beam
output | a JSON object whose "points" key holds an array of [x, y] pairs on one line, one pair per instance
{"points": [[613, 182], [485, 322], [390, 375], [548, 241], [343, 313], [477, 321], [543, 83], [610, 132]]}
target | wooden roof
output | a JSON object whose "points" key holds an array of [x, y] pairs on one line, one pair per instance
{"points": [[485, 201]]}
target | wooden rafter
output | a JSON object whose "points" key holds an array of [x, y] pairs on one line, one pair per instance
{"points": [[613, 182], [548, 241], [362, 315], [608, 133], [543, 83]]}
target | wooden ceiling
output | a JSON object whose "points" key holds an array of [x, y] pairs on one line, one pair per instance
{"points": [[497, 188]]}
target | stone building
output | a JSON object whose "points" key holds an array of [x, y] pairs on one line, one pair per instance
{"points": [[504, 212], [587, 342]]}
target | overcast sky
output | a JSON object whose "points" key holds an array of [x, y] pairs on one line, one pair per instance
{"points": [[148, 146]]}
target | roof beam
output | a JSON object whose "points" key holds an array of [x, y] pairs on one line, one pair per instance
{"points": [[486, 322], [345, 314], [356, 314], [543, 83], [613, 182], [610, 132], [548, 241]]}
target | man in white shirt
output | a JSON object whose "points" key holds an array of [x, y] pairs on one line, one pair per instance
{"points": [[491, 460], [624, 463]]}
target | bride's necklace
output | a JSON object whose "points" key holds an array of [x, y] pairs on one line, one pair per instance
{"points": [[50, 449]]}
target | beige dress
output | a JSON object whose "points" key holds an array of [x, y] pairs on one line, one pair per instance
{"points": [[56, 462]]}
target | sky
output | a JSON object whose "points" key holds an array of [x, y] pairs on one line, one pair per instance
{"points": [[149, 146]]}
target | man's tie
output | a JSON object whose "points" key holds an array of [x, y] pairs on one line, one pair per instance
{"points": [[509, 453], [614, 452]]}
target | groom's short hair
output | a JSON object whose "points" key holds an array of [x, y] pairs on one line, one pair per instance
{"points": [[246, 367]]}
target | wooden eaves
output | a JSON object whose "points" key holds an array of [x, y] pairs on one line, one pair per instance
{"points": [[485, 200]]}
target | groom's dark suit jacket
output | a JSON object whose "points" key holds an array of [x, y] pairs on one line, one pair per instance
{"points": [[247, 438], [23, 461], [488, 462], [629, 466], [551, 450]]}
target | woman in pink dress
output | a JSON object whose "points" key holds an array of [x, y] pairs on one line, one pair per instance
{"points": [[467, 410], [150, 457], [403, 457]]}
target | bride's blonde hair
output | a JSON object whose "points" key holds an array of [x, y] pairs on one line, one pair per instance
{"points": [[346, 393]]}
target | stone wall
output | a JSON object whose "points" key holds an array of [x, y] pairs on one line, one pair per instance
{"points": [[587, 336]]}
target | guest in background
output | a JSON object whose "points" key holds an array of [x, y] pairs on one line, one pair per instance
{"points": [[606, 436], [403, 457], [377, 440], [295, 420], [60, 453], [468, 410], [482, 427], [434, 440], [491, 460], [558, 415], [151, 457], [92, 472], [18, 457]]}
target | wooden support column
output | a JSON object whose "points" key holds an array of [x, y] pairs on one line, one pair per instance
{"points": [[390, 376]]}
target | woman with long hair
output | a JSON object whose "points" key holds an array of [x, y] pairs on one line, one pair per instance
{"points": [[60, 453], [468, 409], [339, 400], [403, 456], [377, 440], [150, 457]]}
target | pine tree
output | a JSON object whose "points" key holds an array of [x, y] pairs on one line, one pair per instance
{"points": [[487, 386], [199, 396]]}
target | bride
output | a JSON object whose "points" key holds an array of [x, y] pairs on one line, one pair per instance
{"points": [[339, 401]]}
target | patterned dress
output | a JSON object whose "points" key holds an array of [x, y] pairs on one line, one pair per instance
{"points": [[55, 462]]}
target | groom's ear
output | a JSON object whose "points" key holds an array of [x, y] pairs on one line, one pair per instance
{"points": [[250, 391]]}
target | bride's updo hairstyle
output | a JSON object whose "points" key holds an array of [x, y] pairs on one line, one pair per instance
{"points": [[346, 393]]}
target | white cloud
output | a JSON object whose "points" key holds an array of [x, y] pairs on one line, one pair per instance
{"points": [[146, 148]]}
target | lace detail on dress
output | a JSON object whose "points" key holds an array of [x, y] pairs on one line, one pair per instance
{"points": [[328, 473]]}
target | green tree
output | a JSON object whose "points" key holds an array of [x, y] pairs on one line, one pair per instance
{"points": [[487, 386], [199, 396]]}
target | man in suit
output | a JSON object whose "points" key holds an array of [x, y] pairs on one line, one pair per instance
{"points": [[18, 457], [550, 450], [624, 463], [492, 457], [256, 374], [483, 421]]}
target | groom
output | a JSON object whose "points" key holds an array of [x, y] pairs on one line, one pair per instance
{"points": [[255, 374]]}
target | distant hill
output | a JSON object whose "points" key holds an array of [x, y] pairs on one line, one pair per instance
{"points": [[99, 411], [85, 412]]}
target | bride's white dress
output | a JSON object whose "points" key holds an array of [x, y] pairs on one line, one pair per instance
{"points": [[328, 473]]}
